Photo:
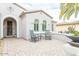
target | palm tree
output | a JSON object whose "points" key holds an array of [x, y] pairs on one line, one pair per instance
{"points": [[68, 9]]}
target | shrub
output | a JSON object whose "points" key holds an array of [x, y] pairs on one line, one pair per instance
{"points": [[75, 33], [70, 29]]}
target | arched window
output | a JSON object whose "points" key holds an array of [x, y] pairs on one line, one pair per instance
{"points": [[36, 25], [44, 25]]}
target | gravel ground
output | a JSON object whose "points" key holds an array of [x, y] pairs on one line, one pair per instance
{"points": [[21, 47]]}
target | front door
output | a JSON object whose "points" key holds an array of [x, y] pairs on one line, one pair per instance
{"points": [[9, 28]]}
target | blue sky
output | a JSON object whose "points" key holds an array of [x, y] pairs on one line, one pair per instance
{"points": [[40, 1], [51, 8]]}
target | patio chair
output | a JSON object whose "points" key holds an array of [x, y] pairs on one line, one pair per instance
{"points": [[48, 35], [34, 38]]}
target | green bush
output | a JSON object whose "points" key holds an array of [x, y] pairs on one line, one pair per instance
{"points": [[70, 29], [75, 33]]}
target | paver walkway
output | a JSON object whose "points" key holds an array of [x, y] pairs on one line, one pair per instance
{"points": [[1, 47], [21, 47]]}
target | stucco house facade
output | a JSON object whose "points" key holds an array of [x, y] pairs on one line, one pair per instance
{"points": [[16, 21]]}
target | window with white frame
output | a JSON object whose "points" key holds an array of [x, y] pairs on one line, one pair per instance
{"points": [[36, 25], [44, 25]]}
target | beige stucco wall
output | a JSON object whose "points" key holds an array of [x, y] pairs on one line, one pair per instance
{"points": [[24, 23], [14, 12], [66, 26], [30, 18]]}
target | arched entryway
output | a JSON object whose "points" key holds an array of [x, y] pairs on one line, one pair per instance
{"points": [[9, 27]]}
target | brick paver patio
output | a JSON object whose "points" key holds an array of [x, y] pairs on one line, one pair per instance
{"points": [[21, 47]]}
